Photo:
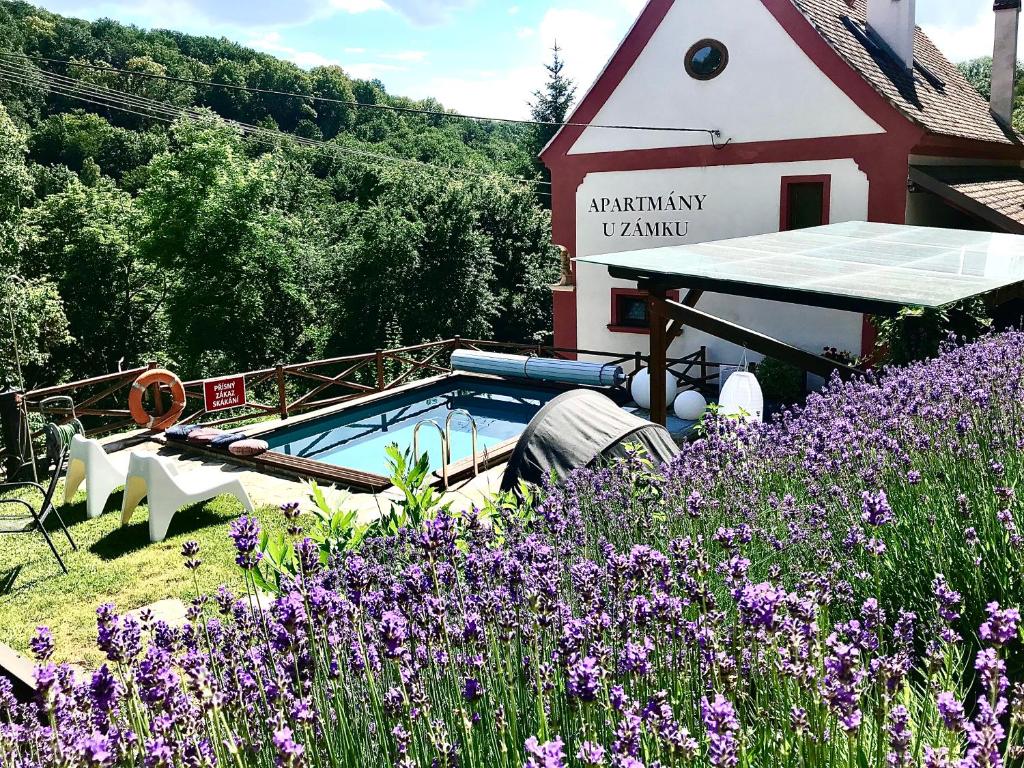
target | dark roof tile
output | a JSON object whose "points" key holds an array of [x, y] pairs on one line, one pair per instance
{"points": [[935, 95]]}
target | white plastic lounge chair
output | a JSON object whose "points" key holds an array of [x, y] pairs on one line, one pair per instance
{"points": [[101, 472], [168, 491]]}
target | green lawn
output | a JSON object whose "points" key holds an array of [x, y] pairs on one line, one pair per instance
{"points": [[112, 564]]}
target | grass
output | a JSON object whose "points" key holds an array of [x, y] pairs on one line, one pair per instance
{"points": [[112, 564]]}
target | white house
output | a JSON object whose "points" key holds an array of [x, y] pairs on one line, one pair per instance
{"points": [[823, 111]]}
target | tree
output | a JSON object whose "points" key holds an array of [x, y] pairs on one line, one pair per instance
{"points": [[551, 103], [240, 283], [86, 238], [33, 325], [15, 189], [979, 74]]}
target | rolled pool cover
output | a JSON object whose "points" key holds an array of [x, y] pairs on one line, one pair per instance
{"points": [[539, 368]]}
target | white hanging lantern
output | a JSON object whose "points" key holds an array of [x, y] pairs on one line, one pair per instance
{"points": [[690, 405], [741, 397], [640, 389]]}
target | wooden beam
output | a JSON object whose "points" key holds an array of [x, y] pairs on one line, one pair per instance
{"points": [[662, 308], [675, 330], [786, 295], [659, 350]]}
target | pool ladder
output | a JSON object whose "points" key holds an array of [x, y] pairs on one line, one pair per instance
{"points": [[446, 442]]}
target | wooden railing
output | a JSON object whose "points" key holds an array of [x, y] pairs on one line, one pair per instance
{"points": [[286, 390]]}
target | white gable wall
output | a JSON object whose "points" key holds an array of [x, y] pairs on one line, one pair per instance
{"points": [[769, 91], [735, 200]]}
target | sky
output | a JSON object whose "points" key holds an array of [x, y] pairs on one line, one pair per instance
{"points": [[476, 56]]}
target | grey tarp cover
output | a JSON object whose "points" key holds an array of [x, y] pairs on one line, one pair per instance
{"points": [[577, 429]]}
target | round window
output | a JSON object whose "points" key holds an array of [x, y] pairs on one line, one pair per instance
{"points": [[706, 60]]}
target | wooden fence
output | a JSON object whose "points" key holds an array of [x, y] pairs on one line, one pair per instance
{"points": [[286, 390]]}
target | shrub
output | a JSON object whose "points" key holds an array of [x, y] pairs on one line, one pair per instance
{"points": [[780, 382], [803, 593]]}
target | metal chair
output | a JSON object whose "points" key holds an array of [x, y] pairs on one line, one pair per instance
{"points": [[34, 518]]}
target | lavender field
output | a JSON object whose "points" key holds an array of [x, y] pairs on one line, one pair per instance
{"points": [[838, 588]]}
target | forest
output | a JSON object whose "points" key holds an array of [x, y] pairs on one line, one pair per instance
{"points": [[262, 227]]}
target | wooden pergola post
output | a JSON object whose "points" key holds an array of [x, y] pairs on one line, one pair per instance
{"points": [[657, 361]]}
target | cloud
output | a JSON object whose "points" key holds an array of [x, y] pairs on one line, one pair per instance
{"points": [[587, 40], [405, 56], [271, 42], [961, 42], [210, 16], [359, 6], [371, 70], [429, 12]]}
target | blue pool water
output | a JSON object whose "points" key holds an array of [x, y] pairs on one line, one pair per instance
{"points": [[356, 438]]}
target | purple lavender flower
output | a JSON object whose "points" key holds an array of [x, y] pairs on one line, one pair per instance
{"points": [[471, 689], [394, 632], [245, 532], [288, 750], [291, 511], [722, 726], [899, 738], [948, 600], [875, 509], [41, 644], [584, 679], [951, 711], [992, 671], [1001, 626], [189, 550], [840, 685], [758, 604], [937, 757], [550, 754], [591, 754]]}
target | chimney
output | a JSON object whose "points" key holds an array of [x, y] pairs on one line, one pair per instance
{"points": [[892, 22], [1004, 59]]}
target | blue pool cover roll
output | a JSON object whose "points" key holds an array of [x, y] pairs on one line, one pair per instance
{"points": [[539, 368]]}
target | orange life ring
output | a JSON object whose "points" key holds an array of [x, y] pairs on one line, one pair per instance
{"points": [[144, 382]]}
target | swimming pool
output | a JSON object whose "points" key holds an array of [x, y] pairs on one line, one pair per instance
{"points": [[348, 444]]}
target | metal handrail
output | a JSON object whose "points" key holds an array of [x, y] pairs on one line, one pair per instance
{"points": [[448, 436], [445, 450]]}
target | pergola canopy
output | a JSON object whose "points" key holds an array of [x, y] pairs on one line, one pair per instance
{"points": [[856, 266]]}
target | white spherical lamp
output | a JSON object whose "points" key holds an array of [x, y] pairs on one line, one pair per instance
{"points": [[640, 389], [742, 397], [690, 405]]}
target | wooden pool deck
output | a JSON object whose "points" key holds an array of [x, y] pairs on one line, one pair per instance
{"points": [[266, 488]]}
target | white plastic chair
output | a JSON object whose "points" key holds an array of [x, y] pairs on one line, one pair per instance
{"points": [[168, 491], [102, 474]]}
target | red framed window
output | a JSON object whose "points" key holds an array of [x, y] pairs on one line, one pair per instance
{"points": [[806, 201], [629, 310]]}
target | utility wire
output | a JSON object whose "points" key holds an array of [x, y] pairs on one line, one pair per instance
{"points": [[125, 102], [713, 133]]}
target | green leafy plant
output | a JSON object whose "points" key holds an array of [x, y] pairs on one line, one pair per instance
{"points": [[780, 382], [336, 527], [917, 333]]}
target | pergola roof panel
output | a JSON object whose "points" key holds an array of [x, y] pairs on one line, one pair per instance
{"points": [[858, 266]]}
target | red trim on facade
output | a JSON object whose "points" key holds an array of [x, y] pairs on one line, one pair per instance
{"points": [[953, 146], [616, 326], [883, 157], [868, 338], [563, 302], [824, 179], [622, 60]]}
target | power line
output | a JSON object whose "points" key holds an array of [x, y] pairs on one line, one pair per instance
{"points": [[103, 96], [713, 133]]}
